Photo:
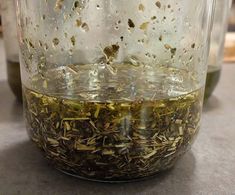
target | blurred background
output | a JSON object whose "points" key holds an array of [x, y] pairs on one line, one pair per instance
{"points": [[230, 38]]}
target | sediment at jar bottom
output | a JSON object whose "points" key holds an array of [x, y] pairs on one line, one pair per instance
{"points": [[112, 141], [212, 80], [14, 78]]}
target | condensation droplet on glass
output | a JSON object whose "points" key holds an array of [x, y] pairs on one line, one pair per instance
{"points": [[191, 59], [46, 46], [190, 26], [43, 17], [40, 43], [70, 52], [148, 55], [134, 61]]}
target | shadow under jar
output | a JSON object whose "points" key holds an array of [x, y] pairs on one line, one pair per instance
{"points": [[11, 47], [113, 90]]}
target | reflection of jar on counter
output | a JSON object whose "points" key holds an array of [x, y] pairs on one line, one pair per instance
{"points": [[113, 90], [11, 46], [215, 60]]}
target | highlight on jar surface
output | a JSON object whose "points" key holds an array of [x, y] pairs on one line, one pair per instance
{"points": [[8, 17], [220, 25], [113, 90]]}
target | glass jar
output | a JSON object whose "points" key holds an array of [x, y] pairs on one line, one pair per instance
{"points": [[113, 90], [11, 46], [220, 25]]}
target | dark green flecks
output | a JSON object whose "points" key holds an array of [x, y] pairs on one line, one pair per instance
{"points": [[113, 140]]}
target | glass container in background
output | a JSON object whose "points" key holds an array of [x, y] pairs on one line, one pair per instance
{"points": [[232, 18], [11, 46], [215, 61], [113, 90]]}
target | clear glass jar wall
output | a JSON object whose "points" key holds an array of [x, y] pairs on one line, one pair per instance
{"points": [[113, 90], [11, 46], [220, 25]]}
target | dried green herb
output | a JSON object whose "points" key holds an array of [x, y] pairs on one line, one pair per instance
{"points": [[85, 27], [59, 4], [168, 47], [111, 52], [78, 22], [141, 7], [173, 52], [56, 41], [112, 140], [73, 40], [144, 26]]}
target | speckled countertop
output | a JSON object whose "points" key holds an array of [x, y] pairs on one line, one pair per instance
{"points": [[209, 168]]}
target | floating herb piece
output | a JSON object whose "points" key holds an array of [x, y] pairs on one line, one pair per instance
{"points": [[59, 4], [131, 23], [158, 4], [144, 26], [141, 7], [56, 41], [85, 27], [111, 52], [78, 22]]}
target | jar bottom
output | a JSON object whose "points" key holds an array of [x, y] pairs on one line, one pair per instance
{"points": [[137, 179], [160, 172]]}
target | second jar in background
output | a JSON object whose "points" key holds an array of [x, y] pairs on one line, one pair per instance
{"points": [[220, 25], [11, 46]]}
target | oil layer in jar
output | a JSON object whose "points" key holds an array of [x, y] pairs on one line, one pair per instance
{"points": [[107, 137]]}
